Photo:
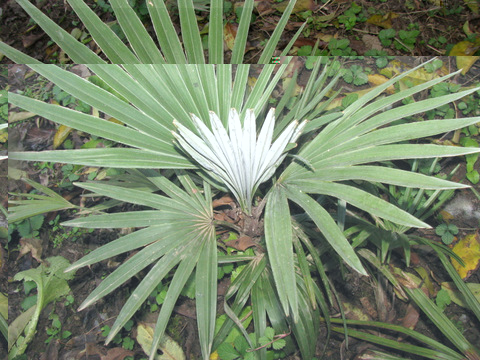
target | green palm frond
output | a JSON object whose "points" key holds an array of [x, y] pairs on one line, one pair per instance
{"points": [[178, 233]]}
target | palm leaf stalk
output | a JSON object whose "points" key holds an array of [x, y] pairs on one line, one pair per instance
{"points": [[239, 159]]}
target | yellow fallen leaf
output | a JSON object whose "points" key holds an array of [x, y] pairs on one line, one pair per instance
{"points": [[353, 312], [446, 216], [417, 77], [19, 116], [472, 5], [468, 249], [426, 279], [61, 135], [170, 349], [465, 48], [214, 355], [4, 306], [384, 21], [251, 81], [3, 135], [378, 79], [466, 62]]}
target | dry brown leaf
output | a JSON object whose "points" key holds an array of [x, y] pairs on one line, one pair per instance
{"points": [[300, 5], [117, 353], [29, 40], [384, 21], [242, 243], [411, 317], [33, 246], [371, 42], [224, 200], [229, 34]]}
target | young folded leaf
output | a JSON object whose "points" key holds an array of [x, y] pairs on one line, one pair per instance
{"points": [[238, 158]]}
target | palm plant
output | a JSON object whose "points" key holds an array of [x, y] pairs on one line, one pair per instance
{"points": [[141, 48], [176, 176]]}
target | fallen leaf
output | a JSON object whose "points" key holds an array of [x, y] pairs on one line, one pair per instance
{"points": [[4, 306], [171, 350], [468, 249], [371, 42], [472, 5], [426, 279], [229, 34], [29, 40], [224, 200], [297, 89], [446, 216], [113, 120], [300, 5], [378, 79], [408, 280], [61, 135], [384, 21], [117, 353], [353, 312], [417, 77], [411, 317], [466, 62], [19, 116], [33, 245], [368, 307], [465, 48], [242, 243]]}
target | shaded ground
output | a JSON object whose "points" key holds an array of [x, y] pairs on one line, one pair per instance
{"points": [[424, 27], [86, 326]]}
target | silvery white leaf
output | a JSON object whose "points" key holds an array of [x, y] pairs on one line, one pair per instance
{"points": [[237, 157]]}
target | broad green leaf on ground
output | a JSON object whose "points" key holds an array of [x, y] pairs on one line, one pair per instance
{"points": [[52, 284]]}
